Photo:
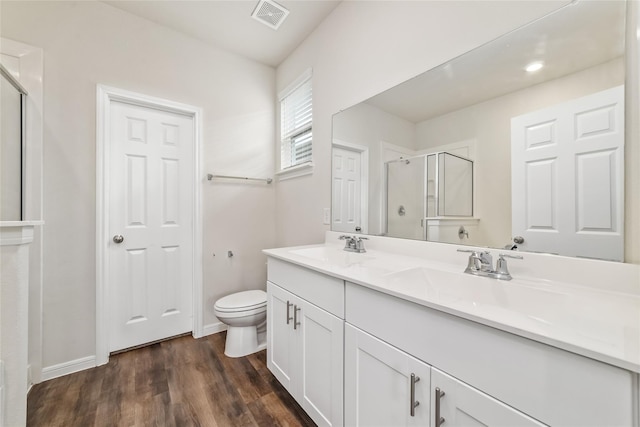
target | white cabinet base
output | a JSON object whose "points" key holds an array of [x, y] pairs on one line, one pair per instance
{"points": [[378, 381], [462, 405], [305, 353]]}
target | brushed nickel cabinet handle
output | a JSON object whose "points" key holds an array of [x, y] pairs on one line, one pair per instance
{"points": [[296, 309], [438, 419], [289, 318], [414, 403]]}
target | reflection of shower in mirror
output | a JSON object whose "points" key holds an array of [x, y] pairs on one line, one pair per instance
{"points": [[435, 195]]}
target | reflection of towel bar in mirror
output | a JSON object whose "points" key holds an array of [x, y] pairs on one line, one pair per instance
{"points": [[245, 178]]}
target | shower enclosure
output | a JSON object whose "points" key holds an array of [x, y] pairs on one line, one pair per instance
{"points": [[426, 188], [12, 125]]}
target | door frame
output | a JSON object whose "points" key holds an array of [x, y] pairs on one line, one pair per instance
{"points": [[364, 178], [105, 95]]}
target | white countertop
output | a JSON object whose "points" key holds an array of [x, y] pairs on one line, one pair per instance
{"points": [[600, 324]]}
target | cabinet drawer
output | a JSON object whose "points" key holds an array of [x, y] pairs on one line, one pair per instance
{"points": [[551, 385], [321, 290]]}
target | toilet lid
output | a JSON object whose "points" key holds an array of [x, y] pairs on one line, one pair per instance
{"points": [[242, 301]]}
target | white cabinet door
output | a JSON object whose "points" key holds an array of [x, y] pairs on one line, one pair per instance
{"points": [[305, 353], [378, 383], [320, 336], [280, 347], [462, 405]]}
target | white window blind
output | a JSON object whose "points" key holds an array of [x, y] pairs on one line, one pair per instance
{"points": [[296, 116]]}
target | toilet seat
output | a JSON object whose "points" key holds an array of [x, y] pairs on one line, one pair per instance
{"points": [[242, 302]]}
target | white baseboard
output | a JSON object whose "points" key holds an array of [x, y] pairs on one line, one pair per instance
{"points": [[213, 328], [55, 371]]}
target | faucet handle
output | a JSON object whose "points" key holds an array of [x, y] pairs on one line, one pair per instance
{"points": [[475, 262], [502, 269], [479, 261], [360, 244]]}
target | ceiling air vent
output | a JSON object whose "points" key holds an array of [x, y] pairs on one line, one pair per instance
{"points": [[270, 13]]}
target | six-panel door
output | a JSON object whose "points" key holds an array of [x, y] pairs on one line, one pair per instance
{"points": [[151, 225]]}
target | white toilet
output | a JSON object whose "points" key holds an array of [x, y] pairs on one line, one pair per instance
{"points": [[245, 314]]}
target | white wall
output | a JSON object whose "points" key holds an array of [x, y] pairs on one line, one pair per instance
{"points": [[363, 48], [489, 123], [86, 43]]}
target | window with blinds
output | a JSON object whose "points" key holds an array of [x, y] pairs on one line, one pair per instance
{"points": [[296, 114]]}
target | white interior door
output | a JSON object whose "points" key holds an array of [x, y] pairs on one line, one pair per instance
{"points": [[567, 172], [347, 191], [150, 206]]}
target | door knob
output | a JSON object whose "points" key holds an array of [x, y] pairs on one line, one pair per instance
{"points": [[118, 238]]}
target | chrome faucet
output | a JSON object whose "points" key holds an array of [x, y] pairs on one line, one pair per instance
{"points": [[353, 243], [481, 264]]}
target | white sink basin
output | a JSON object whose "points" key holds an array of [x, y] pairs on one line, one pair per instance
{"points": [[572, 312], [474, 293], [333, 256]]}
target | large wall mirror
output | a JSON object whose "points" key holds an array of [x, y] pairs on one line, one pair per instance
{"points": [[12, 146], [518, 144]]}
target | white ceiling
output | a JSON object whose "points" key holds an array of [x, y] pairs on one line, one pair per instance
{"points": [[229, 25]]}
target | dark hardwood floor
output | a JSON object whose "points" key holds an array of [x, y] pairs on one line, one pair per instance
{"points": [[180, 382]]}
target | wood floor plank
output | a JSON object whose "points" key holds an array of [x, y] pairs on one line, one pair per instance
{"points": [[181, 382]]}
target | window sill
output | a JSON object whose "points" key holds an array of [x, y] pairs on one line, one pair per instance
{"points": [[295, 171]]}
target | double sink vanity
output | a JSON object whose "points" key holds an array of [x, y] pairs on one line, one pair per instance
{"points": [[400, 335]]}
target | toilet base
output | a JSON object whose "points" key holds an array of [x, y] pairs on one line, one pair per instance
{"points": [[243, 341]]}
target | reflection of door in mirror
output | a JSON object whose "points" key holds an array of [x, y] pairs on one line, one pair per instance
{"points": [[568, 177], [349, 192]]}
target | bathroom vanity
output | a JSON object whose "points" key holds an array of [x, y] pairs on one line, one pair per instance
{"points": [[400, 336]]}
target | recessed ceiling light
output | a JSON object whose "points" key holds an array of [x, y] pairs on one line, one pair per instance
{"points": [[534, 66]]}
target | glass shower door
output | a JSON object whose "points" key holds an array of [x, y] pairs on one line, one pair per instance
{"points": [[405, 197]]}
